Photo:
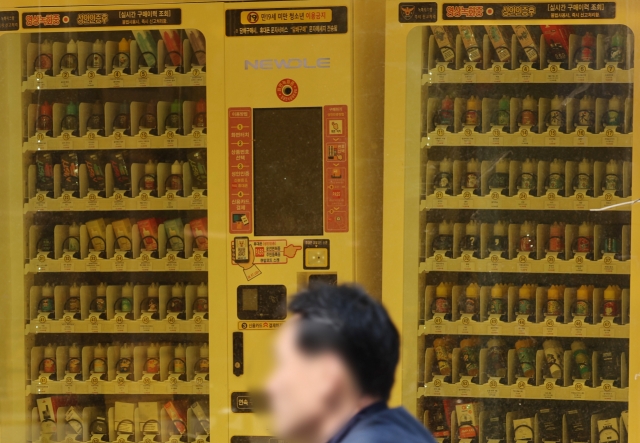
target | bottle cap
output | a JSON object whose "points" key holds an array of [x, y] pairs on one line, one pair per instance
{"points": [[447, 103], [46, 109], [583, 293], [445, 228], [496, 291], [202, 290], [127, 290], [47, 291], [529, 103], [610, 293], [72, 109], [446, 165], [72, 47], [553, 293], [177, 290], [176, 107], [150, 167], [74, 290], [473, 290], [123, 46], [530, 167], [152, 291], [557, 166], [472, 228], [180, 351], [152, 351], [442, 290], [74, 351], [201, 106], [504, 104], [502, 166], [588, 40], [99, 351], [500, 229], [176, 168], [474, 103], [525, 292], [472, 166], [204, 351], [101, 291], [556, 230]]}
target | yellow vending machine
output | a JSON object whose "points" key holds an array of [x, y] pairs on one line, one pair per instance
{"points": [[174, 172], [510, 233]]}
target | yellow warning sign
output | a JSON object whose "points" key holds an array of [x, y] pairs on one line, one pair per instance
{"points": [[284, 16]]}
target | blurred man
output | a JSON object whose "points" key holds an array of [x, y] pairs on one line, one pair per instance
{"points": [[335, 363]]}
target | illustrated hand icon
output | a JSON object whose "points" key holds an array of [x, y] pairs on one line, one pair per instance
{"points": [[252, 257]]}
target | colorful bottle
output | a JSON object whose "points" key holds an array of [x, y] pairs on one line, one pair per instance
{"points": [[582, 307], [123, 57], [527, 237], [69, 61], [584, 242], [504, 106], [444, 240], [70, 120], [150, 174], [472, 299], [173, 43], [584, 180], [442, 302], [443, 349], [97, 56], [587, 54], [474, 109], [556, 237], [175, 179], [152, 366], [582, 359], [126, 304], [471, 240], [44, 61], [496, 358], [446, 112], [555, 305], [586, 114], [471, 179], [74, 365], [529, 177], [198, 46], [612, 179], [100, 304], [100, 359], [180, 358], [526, 305], [617, 48], [529, 114], [49, 361], [556, 178], [44, 122], [554, 354], [526, 351], [613, 116], [148, 47], [470, 351], [611, 305], [444, 178], [200, 118], [497, 305], [500, 178]]}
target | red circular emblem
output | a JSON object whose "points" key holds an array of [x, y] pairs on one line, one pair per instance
{"points": [[287, 90]]}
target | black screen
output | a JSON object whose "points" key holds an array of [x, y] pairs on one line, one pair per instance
{"points": [[287, 168]]}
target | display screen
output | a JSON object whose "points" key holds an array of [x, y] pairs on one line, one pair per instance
{"points": [[288, 188]]}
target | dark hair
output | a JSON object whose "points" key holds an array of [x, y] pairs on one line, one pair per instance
{"points": [[347, 321]]}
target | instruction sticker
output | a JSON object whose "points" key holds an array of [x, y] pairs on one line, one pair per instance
{"points": [[289, 21]]}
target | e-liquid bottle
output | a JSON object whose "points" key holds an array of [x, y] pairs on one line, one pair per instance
{"points": [[472, 299], [44, 122], [500, 178], [180, 358], [176, 303], [174, 119], [528, 237], [557, 113], [72, 304], [611, 305], [554, 354], [444, 178], [149, 120], [201, 303], [526, 351], [202, 366], [122, 60], [119, 165], [97, 56], [49, 361], [586, 53], [582, 307], [125, 364], [200, 118], [470, 351], [443, 349], [586, 114], [582, 359], [526, 305], [584, 242], [556, 178], [504, 106], [472, 117], [528, 179], [612, 179], [70, 120], [616, 48], [149, 182], [613, 116], [584, 180], [74, 365], [529, 114], [153, 298], [69, 61], [126, 303], [47, 301], [152, 365], [122, 120], [99, 365], [444, 240], [471, 179], [174, 182], [101, 298], [442, 302], [497, 305], [73, 241], [198, 162], [556, 237], [471, 240], [497, 358], [445, 116], [500, 240], [44, 62], [555, 305], [95, 122]]}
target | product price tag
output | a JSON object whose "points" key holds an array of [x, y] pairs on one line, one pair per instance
{"points": [[116, 82], [552, 141], [581, 141], [549, 331], [68, 385], [170, 200], [94, 384], [491, 389], [92, 202], [441, 140], [578, 332], [607, 332], [173, 385], [42, 326], [199, 385], [581, 77], [468, 264], [169, 80], [144, 262], [118, 201], [607, 392], [65, 82], [143, 202], [578, 392], [468, 140], [497, 77], [553, 77], [197, 200], [524, 267], [171, 261], [609, 73], [173, 327], [198, 262], [147, 383], [464, 388], [118, 140], [119, 261], [93, 262], [146, 328], [143, 77], [67, 202], [92, 139], [68, 327], [522, 330], [91, 79], [549, 388], [170, 139], [469, 77], [122, 385], [580, 205], [196, 78], [197, 139], [198, 326], [40, 202], [120, 325], [143, 142]]}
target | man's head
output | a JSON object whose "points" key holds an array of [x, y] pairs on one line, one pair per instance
{"points": [[339, 346]]}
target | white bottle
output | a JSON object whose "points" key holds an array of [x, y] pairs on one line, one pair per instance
{"points": [[98, 58], [49, 363], [179, 359], [72, 47], [73, 364]]}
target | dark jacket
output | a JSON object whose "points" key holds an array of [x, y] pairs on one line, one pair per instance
{"points": [[379, 424]]}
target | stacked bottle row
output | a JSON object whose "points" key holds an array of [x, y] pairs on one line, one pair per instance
{"points": [[91, 180], [533, 47], [112, 368], [75, 63], [535, 178], [555, 247], [470, 360], [120, 244], [474, 114], [450, 307], [66, 418], [154, 124], [112, 308], [457, 420]]}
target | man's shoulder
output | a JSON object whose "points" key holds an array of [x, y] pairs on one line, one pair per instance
{"points": [[389, 426]]}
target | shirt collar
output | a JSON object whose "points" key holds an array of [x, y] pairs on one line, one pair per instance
{"points": [[369, 410]]}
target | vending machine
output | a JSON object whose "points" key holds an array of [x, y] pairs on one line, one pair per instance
{"points": [[174, 173], [510, 229]]}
